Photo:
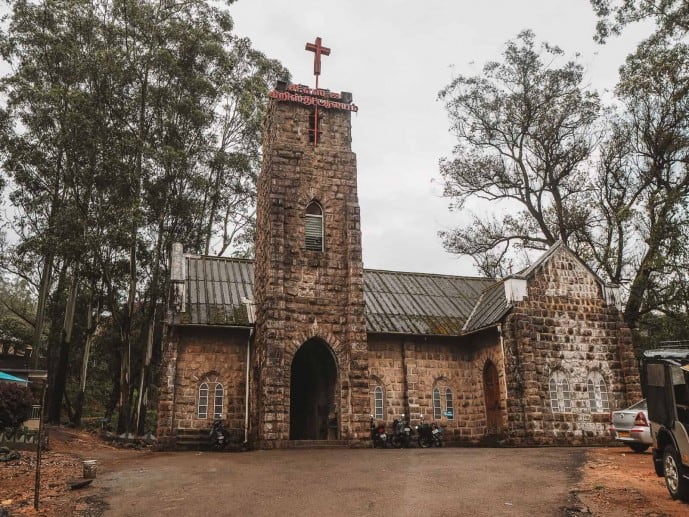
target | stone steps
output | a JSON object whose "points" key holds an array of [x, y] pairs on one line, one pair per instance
{"points": [[314, 444]]}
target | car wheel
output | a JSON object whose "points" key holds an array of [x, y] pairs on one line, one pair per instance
{"points": [[639, 447], [676, 484]]}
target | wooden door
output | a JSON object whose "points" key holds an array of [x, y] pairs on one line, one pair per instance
{"points": [[491, 392]]}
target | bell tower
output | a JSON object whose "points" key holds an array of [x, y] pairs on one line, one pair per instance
{"points": [[310, 360]]}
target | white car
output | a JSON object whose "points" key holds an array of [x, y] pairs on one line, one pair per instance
{"points": [[630, 426]]}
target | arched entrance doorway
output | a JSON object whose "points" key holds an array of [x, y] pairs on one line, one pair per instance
{"points": [[313, 411], [491, 392]]}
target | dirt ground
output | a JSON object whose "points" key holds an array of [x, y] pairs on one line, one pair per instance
{"points": [[574, 482]]}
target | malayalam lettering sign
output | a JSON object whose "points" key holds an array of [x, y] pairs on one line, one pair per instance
{"points": [[313, 97]]}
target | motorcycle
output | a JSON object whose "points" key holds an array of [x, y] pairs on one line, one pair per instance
{"points": [[401, 433], [218, 436], [430, 435], [379, 438], [437, 433]]}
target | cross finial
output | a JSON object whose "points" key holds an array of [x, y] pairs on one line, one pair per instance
{"points": [[317, 48]]}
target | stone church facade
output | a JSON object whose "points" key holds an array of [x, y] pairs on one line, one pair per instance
{"points": [[303, 343]]}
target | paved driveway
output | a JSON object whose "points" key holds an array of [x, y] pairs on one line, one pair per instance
{"points": [[419, 482]]}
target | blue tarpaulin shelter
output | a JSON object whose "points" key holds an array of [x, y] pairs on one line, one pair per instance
{"points": [[6, 377]]}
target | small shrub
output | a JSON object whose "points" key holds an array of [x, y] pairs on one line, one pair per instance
{"points": [[15, 404]]}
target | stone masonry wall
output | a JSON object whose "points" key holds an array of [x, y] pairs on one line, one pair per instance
{"points": [[409, 368], [564, 324], [304, 294], [213, 355], [166, 387]]}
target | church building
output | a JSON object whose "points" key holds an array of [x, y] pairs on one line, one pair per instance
{"points": [[302, 343]]}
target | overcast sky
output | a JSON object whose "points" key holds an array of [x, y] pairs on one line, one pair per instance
{"points": [[394, 56]]}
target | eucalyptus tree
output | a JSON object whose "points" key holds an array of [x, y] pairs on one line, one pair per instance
{"points": [[525, 128], [640, 224], [116, 148]]}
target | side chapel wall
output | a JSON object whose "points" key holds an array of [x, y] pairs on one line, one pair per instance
{"points": [[564, 324], [408, 368], [219, 353]]}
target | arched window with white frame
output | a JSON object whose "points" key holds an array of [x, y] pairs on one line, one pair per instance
{"points": [[211, 397], [560, 394], [598, 393], [437, 410], [378, 403], [313, 227], [218, 398], [449, 405], [203, 400]]}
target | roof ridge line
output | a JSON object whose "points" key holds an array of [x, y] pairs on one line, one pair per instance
{"points": [[466, 277]]}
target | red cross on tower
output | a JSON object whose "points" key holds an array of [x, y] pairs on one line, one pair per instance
{"points": [[317, 49]]}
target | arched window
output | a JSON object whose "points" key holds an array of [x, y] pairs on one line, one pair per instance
{"points": [[598, 393], [449, 406], [437, 411], [313, 227], [378, 412], [560, 395], [211, 399], [203, 400], [218, 401]]}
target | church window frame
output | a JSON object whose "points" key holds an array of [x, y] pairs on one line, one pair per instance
{"points": [[437, 409], [560, 393], [218, 400], [312, 126], [314, 239], [203, 400], [449, 405], [598, 393], [378, 403]]}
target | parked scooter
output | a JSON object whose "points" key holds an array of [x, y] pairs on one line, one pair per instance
{"points": [[401, 433], [379, 437], [437, 433], [218, 435], [430, 435]]}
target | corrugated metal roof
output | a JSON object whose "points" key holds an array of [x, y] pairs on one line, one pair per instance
{"points": [[217, 289], [419, 303], [490, 308]]}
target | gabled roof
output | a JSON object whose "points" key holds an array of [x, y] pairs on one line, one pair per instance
{"points": [[490, 308], [419, 303], [219, 291]]}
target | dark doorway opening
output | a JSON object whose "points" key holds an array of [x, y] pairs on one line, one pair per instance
{"points": [[313, 412], [491, 391]]}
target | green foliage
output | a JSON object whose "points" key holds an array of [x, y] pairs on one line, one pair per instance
{"points": [[671, 16], [659, 329], [17, 309], [525, 127], [127, 125], [526, 137], [15, 404]]}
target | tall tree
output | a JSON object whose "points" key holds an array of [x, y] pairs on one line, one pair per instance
{"points": [[525, 127], [130, 125], [641, 217]]}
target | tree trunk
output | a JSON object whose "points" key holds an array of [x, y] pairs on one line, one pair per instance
{"points": [[40, 308], [57, 356]]}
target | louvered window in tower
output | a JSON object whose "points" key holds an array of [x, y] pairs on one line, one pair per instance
{"points": [[313, 227]]}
